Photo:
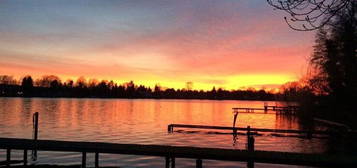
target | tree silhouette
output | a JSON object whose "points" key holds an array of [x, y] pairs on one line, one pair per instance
{"points": [[306, 15], [51, 86], [327, 63], [335, 63], [81, 82], [7, 80], [27, 86]]}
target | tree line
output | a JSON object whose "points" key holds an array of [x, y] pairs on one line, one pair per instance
{"points": [[329, 89], [52, 86]]}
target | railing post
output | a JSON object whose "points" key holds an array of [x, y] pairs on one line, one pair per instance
{"points": [[84, 159], [35, 134], [96, 160], [8, 157], [235, 118], [251, 144], [248, 132], [167, 162], [170, 128], [172, 162], [250, 140], [250, 147], [250, 164], [25, 157], [265, 107], [199, 163]]}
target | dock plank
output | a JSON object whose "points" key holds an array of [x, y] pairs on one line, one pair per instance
{"points": [[182, 152], [251, 129]]}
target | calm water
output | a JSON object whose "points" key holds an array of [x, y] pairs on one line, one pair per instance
{"points": [[144, 122]]}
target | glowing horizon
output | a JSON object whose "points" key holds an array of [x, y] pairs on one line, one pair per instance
{"points": [[224, 44]]}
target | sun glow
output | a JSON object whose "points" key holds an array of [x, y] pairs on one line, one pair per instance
{"points": [[154, 46]]}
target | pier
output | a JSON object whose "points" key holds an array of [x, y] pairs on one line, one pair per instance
{"points": [[171, 127], [169, 153], [290, 110]]}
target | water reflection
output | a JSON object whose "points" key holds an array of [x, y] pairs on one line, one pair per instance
{"points": [[145, 122]]}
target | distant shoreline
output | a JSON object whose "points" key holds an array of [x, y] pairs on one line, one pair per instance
{"points": [[137, 98], [132, 91]]}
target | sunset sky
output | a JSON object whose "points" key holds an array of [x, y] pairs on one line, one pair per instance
{"points": [[223, 43]]}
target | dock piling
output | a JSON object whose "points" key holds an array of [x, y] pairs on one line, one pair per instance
{"points": [[170, 128], [8, 157], [172, 162], [265, 107], [96, 160], [35, 133], [25, 157], [248, 133], [84, 159], [250, 147], [250, 164], [199, 163], [167, 162], [235, 118], [250, 140], [251, 144]]}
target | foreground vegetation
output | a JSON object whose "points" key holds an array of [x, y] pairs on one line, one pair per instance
{"points": [[329, 90]]}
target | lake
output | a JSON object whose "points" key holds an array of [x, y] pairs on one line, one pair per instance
{"points": [[144, 121]]}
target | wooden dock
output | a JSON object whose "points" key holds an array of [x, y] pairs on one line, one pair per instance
{"points": [[172, 152], [268, 109], [171, 127]]}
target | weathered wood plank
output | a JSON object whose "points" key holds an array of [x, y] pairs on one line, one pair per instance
{"points": [[10, 162], [252, 129], [243, 108], [182, 152]]}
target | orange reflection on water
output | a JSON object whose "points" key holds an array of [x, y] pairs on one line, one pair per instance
{"points": [[68, 118], [144, 122]]}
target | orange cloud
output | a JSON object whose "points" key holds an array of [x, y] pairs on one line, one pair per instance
{"points": [[221, 44]]}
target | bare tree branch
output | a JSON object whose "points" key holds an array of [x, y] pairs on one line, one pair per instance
{"points": [[307, 15]]}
